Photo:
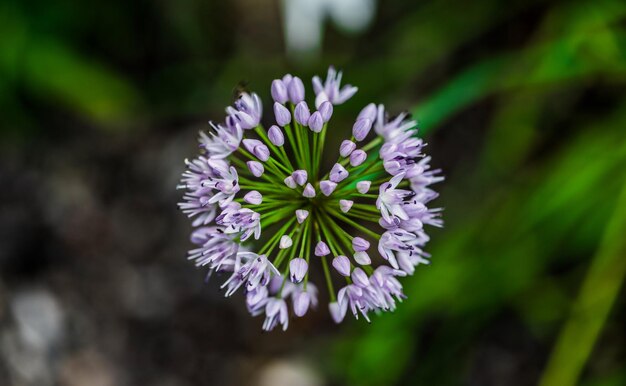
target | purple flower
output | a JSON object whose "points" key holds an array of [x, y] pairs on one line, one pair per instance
{"points": [[276, 313], [321, 249], [338, 173], [330, 90], [298, 268], [248, 110], [276, 136], [225, 218], [250, 269], [283, 116]]}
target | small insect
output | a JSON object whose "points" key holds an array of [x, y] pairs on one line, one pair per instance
{"points": [[240, 88]]}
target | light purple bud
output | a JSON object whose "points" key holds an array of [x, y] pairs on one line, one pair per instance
{"points": [[361, 129], [283, 116], [336, 312], [295, 89], [346, 148], [309, 191], [362, 258], [357, 157], [279, 91], [285, 242], [301, 303], [299, 176], [290, 182], [327, 187], [253, 197], [359, 277], [326, 110], [316, 123], [345, 205], [257, 148], [342, 265], [298, 268], [359, 244], [256, 168], [301, 215], [276, 136], [368, 112], [302, 113], [363, 186], [321, 249], [338, 173]]}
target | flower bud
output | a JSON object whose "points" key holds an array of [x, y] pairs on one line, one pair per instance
{"points": [[357, 157], [326, 110], [359, 244], [283, 116], [256, 168], [290, 182], [295, 89], [279, 91], [316, 122], [297, 269], [299, 176], [345, 205], [257, 148], [361, 128], [301, 303], [301, 215], [342, 265], [276, 136], [368, 112], [346, 148], [327, 187], [359, 277], [302, 113], [337, 312], [362, 258], [338, 173], [363, 186], [285, 242], [253, 197], [309, 191], [321, 249]]}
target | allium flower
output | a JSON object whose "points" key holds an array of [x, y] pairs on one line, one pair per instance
{"points": [[269, 217]]}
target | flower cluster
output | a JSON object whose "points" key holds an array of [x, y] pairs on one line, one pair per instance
{"points": [[252, 184]]}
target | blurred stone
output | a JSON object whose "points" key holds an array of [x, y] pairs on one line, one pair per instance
{"points": [[87, 368], [288, 373], [39, 319]]}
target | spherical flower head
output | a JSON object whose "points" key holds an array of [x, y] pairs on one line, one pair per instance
{"points": [[252, 196]]}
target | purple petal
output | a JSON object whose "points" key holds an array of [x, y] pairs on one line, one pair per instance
{"points": [[298, 267], [357, 157], [321, 249], [346, 148], [359, 244], [345, 205], [256, 168], [327, 187], [283, 116], [361, 128], [316, 122], [342, 265], [338, 173], [253, 197], [302, 113], [276, 136]]}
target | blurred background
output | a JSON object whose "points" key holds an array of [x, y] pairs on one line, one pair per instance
{"points": [[523, 104]]}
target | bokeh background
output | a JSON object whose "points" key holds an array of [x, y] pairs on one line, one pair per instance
{"points": [[523, 104]]}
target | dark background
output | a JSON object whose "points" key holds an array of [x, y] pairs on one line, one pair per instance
{"points": [[523, 106]]}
